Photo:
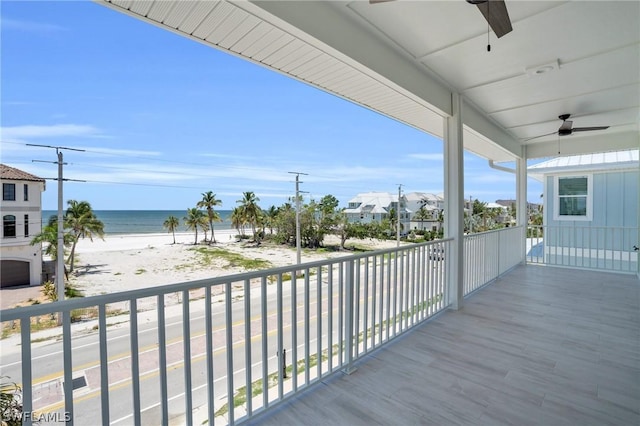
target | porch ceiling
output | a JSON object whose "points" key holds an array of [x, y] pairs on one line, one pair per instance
{"points": [[405, 58]]}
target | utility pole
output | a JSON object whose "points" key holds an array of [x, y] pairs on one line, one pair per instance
{"points": [[298, 248], [60, 246], [398, 214]]}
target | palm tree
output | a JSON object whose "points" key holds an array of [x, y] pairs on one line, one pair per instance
{"points": [[272, 216], [195, 219], [82, 222], [209, 201], [49, 236], [250, 209], [422, 215], [237, 220], [172, 224]]}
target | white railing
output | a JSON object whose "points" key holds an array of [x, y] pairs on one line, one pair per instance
{"points": [[487, 255], [220, 350], [603, 248]]}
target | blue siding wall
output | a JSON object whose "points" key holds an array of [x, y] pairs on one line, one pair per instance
{"points": [[615, 201], [614, 220]]}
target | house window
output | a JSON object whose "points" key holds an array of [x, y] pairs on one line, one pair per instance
{"points": [[26, 225], [9, 225], [8, 191], [26, 192], [573, 201]]}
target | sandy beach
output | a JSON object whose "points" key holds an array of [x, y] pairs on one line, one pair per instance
{"points": [[128, 262], [122, 262]]}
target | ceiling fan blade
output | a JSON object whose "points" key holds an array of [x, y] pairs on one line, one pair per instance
{"points": [[588, 129], [378, 1], [566, 125], [539, 136], [495, 12]]}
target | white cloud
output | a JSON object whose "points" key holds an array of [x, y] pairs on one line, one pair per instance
{"points": [[29, 26], [22, 133], [428, 157]]}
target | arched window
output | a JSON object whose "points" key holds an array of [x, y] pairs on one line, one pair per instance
{"points": [[9, 225]]}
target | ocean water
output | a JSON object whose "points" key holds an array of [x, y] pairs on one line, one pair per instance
{"points": [[143, 221]]}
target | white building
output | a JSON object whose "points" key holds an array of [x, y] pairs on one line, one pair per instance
{"points": [[426, 210], [21, 212], [375, 206]]}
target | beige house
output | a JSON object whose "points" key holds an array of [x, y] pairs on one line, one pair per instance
{"points": [[21, 212]]}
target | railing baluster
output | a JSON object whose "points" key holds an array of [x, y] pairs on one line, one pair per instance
{"points": [[208, 321], [247, 346], [388, 316], [423, 280], [341, 314], [395, 292], [365, 316], [355, 304], [162, 360], [186, 342], [104, 363], [415, 274], [381, 302], [404, 291], [228, 323], [265, 348], [27, 373], [374, 292], [307, 328], [135, 362], [330, 319], [319, 322], [281, 361], [349, 317]]}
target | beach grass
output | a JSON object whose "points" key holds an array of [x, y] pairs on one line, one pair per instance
{"points": [[209, 256]]}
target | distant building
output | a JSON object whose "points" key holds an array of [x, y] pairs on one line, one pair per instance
{"points": [[426, 210], [531, 207], [21, 212], [375, 206]]}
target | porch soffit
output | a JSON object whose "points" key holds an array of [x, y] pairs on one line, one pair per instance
{"points": [[251, 31]]}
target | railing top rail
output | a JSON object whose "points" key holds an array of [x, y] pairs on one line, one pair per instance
{"points": [[91, 301], [494, 231], [570, 225]]}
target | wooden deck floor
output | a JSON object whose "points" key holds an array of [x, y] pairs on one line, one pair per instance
{"points": [[542, 345]]}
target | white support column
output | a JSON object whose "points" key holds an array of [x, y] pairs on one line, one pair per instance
{"points": [[522, 213], [454, 201]]}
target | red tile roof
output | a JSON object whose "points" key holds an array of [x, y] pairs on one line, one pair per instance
{"points": [[11, 173]]}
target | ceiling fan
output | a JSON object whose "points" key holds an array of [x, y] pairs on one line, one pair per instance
{"points": [[494, 11], [566, 128]]}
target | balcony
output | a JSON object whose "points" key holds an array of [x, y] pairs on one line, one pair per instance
{"points": [[541, 345], [373, 342]]}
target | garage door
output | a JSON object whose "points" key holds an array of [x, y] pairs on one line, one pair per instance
{"points": [[14, 272]]}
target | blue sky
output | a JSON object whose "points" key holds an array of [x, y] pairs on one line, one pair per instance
{"points": [[163, 119]]}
